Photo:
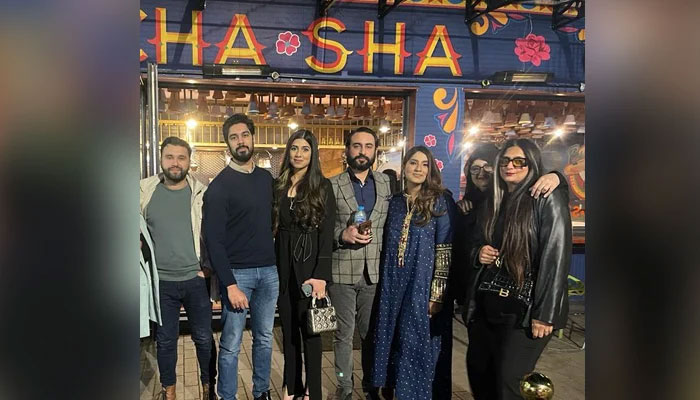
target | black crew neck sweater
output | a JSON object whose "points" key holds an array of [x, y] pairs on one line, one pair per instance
{"points": [[237, 222]]}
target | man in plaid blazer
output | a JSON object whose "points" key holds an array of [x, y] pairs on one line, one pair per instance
{"points": [[356, 255]]}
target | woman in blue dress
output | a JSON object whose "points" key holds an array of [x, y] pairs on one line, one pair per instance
{"points": [[411, 321]]}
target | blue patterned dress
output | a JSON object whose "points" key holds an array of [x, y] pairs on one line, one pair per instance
{"points": [[408, 342]]}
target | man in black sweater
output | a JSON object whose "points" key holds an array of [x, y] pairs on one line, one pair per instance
{"points": [[237, 226]]}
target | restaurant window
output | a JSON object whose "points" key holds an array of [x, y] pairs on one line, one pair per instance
{"points": [[556, 122], [197, 115]]}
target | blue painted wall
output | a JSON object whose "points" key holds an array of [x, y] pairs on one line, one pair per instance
{"points": [[487, 46]]}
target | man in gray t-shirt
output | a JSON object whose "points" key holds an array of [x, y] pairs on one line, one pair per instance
{"points": [[174, 244], [171, 204]]}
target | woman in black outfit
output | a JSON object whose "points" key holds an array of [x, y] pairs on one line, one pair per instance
{"points": [[478, 171], [525, 242], [304, 215]]}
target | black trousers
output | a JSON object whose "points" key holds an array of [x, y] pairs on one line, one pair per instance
{"points": [[292, 311], [499, 355]]}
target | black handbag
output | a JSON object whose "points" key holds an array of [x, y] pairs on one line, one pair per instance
{"points": [[504, 285]]}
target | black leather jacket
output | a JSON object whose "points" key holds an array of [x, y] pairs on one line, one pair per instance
{"points": [[551, 253]]}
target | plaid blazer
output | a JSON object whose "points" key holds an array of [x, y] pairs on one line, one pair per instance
{"points": [[348, 261]]}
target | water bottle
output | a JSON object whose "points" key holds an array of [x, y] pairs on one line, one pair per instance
{"points": [[360, 215]]}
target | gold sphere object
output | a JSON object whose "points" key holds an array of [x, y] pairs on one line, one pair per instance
{"points": [[536, 386]]}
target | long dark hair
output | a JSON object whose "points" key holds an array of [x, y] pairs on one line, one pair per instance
{"points": [[518, 212], [309, 200], [430, 190]]}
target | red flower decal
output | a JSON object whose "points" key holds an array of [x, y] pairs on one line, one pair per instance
{"points": [[439, 164], [430, 140], [532, 48], [287, 43]]}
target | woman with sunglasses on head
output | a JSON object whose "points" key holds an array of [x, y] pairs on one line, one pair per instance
{"points": [[304, 217], [524, 248], [411, 322]]}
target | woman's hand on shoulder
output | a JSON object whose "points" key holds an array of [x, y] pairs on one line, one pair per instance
{"points": [[545, 185], [318, 287], [465, 206]]}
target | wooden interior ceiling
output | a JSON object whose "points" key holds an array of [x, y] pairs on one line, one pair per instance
{"points": [[216, 102], [495, 120]]}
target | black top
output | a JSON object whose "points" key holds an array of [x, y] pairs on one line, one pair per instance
{"points": [[237, 222], [463, 270], [497, 309], [306, 253], [550, 250]]}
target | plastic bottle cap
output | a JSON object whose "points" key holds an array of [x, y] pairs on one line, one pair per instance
{"points": [[360, 208]]}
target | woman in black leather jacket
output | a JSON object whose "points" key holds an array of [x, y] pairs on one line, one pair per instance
{"points": [[478, 172], [524, 246]]}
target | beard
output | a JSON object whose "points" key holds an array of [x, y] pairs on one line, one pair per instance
{"points": [[243, 157], [354, 164], [175, 174]]}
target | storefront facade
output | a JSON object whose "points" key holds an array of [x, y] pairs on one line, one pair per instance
{"points": [[420, 74]]}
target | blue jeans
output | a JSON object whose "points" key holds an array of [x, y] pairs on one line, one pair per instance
{"points": [[261, 287], [194, 296]]}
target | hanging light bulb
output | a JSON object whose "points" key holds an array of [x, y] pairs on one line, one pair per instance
{"points": [[473, 130], [384, 126], [262, 107], [253, 105], [273, 110], [306, 108], [293, 124], [525, 119], [330, 111], [340, 110], [174, 104]]}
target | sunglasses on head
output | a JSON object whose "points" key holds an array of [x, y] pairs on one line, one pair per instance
{"points": [[518, 162], [475, 169]]}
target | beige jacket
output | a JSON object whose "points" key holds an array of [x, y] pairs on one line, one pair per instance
{"points": [[148, 187]]}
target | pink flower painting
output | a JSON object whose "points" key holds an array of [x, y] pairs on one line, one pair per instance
{"points": [[287, 43], [430, 140], [439, 164], [532, 48]]}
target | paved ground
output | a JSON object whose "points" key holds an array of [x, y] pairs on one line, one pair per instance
{"points": [[562, 361]]}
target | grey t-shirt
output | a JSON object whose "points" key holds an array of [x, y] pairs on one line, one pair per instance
{"points": [[169, 221]]}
